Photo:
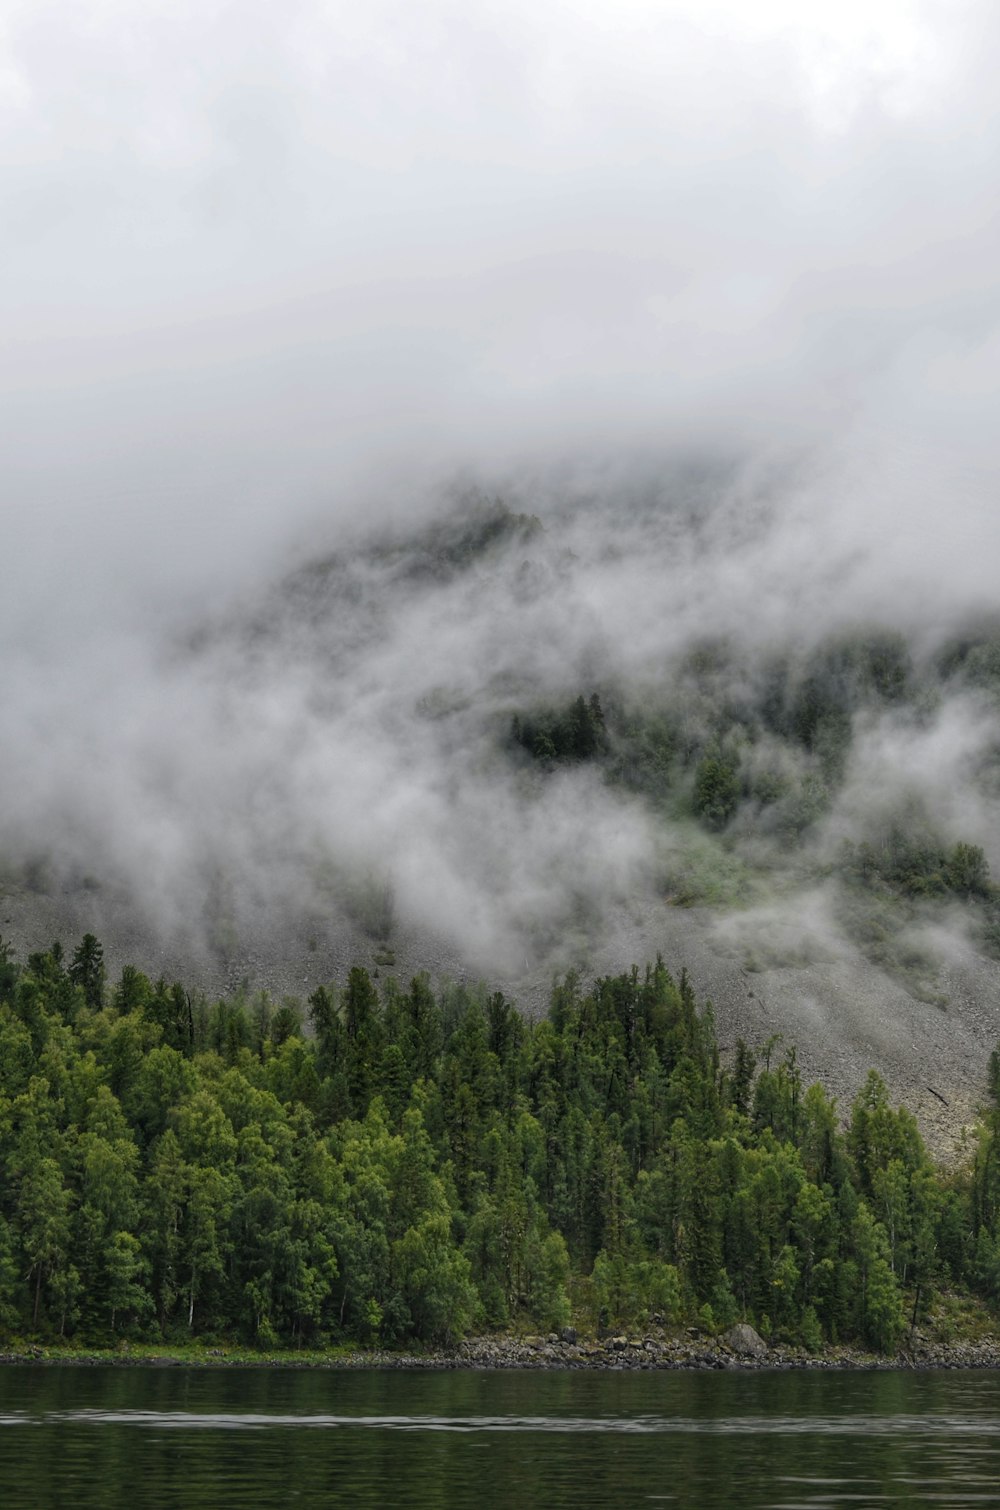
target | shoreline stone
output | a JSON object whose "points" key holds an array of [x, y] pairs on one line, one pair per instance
{"points": [[738, 1353]]}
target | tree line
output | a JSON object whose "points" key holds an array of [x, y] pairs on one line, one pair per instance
{"points": [[418, 1164]]}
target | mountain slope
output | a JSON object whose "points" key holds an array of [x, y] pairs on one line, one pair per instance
{"points": [[515, 740]]}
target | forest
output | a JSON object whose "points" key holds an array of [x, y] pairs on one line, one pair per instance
{"points": [[413, 1166]]}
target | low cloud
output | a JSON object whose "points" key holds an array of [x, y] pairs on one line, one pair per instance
{"points": [[711, 293]]}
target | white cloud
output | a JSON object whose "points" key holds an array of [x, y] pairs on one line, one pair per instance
{"points": [[272, 272]]}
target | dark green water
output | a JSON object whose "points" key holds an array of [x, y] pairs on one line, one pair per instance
{"points": [[156, 1437]]}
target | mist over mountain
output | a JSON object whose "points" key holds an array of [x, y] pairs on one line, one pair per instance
{"points": [[496, 747], [511, 493]]}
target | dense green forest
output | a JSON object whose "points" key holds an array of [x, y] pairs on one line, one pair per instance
{"points": [[421, 1165]]}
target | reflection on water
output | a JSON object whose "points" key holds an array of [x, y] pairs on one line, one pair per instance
{"points": [[159, 1437], [948, 1426]]}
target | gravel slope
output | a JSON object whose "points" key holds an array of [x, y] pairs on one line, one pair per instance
{"points": [[842, 1016]]}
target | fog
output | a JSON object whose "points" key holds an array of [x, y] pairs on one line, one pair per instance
{"points": [[290, 294]]}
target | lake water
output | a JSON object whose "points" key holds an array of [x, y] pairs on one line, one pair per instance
{"points": [[243, 1437]]}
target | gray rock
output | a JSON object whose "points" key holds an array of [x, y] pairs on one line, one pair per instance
{"points": [[745, 1341]]}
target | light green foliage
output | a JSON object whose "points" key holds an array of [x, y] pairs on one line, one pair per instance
{"points": [[879, 1304], [703, 873], [548, 1267]]}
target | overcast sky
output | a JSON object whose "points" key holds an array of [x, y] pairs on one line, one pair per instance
{"points": [[272, 272], [262, 262]]}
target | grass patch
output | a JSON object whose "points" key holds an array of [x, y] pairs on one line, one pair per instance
{"points": [[703, 872]]}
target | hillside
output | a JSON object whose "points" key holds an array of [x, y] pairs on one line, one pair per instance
{"points": [[518, 739]]}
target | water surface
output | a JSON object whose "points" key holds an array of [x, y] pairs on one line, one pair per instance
{"points": [[245, 1437]]}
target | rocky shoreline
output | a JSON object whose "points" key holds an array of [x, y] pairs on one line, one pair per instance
{"points": [[746, 1351], [740, 1349]]}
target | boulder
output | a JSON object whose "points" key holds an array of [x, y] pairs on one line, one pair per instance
{"points": [[742, 1339]]}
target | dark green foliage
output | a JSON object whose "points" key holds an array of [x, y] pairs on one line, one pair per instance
{"points": [[758, 751], [741, 1079], [87, 969], [967, 872], [841, 676], [891, 880], [8, 970], [421, 1165], [687, 734], [576, 732], [716, 790], [910, 860], [974, 659], [647, 746]]}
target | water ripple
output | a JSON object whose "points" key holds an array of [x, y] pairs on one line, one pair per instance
{"points": [[896, 1426]]}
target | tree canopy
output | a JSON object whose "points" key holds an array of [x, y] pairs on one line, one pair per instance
{"points": [[425, 1163]]}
